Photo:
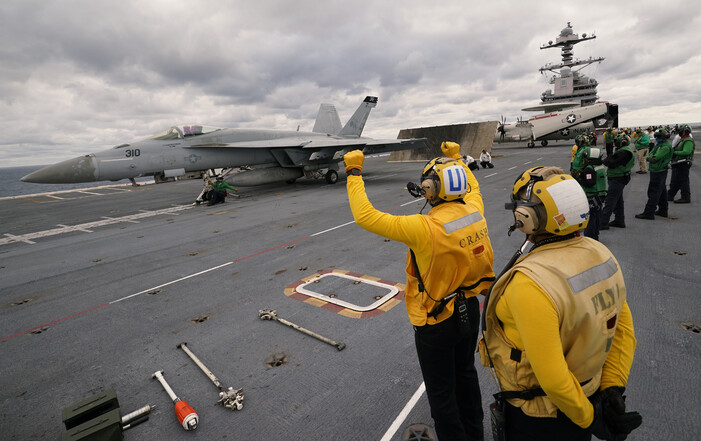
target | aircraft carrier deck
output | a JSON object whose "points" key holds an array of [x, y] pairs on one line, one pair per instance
{"points": [[98, 287]]}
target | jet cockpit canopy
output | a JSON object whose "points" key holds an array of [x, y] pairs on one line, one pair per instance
{"points": [[180, 132]]}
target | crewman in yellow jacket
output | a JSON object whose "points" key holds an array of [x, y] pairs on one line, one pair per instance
{"points": [[448, 264], [559, 333]]}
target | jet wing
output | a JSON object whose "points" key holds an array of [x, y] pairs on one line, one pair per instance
{"points": [[301, 151], [377, 145], [281, 143], [552, 107]]}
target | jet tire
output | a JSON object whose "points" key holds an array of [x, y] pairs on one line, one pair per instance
{"points": [[331, 176]]}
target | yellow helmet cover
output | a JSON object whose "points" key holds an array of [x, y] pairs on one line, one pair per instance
{"points": [[565, 208], [452, 176]]}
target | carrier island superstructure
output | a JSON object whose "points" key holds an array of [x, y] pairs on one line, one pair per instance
{"points": [[570, 86]]}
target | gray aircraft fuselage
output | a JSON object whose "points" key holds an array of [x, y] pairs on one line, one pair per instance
{"points": [[282, 154], [150, 156]]}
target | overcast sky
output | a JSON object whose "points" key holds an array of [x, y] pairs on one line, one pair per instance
{"points": [[78, 76]]}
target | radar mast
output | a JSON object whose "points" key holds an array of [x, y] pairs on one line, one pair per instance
{"points": [[569, 85]]}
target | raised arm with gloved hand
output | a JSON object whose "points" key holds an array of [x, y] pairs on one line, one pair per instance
{"points": [[474, 196], [450, 260], [354, 161]]}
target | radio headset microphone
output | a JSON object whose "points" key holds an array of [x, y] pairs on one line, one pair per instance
{"points": [[415, 190], [517, 224]]}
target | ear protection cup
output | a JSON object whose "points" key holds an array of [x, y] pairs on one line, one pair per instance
{"points": [[431, 188], [528, 218]]}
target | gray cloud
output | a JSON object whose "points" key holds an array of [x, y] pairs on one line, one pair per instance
{"points": [[79, 76]]}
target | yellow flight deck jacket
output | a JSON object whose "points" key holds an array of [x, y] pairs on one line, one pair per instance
{"points": [[451, 245], [559, 320]]}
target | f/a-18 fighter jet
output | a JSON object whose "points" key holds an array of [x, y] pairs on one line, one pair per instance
{"points": [[267, 155]]}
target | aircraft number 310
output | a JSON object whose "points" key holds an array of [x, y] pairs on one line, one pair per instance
{"points": [[132, 153]]}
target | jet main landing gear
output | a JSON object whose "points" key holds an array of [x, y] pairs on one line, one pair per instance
{"points": [[331, 176]]}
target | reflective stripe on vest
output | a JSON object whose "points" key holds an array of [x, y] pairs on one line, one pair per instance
{"points": [[463, 222], [584, 280]]}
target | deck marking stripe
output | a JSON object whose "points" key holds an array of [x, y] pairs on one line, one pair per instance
{"points": [[55, 321], [331, 229], [411, 202], [27, 238], [404, 413], [491, 175], [373, 178], [170, 283], [178, 280], [202, 272], [31, 200], [513, 167]]}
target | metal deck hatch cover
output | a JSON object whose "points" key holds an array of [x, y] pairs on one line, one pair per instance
{"points": [[305, 289]]}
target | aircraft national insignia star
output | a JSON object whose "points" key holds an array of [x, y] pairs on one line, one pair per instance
{"points": [[571, 118], [193, 158]]}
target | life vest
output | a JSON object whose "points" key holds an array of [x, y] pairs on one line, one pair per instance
{"points": [[663, 152], [623, 170], [609, 137], [681, 145], [462, 256], [590, 172], [585, 283]]}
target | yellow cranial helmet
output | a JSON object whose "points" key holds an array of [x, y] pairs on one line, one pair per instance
{"points": [[445, 179], [546, 199]]}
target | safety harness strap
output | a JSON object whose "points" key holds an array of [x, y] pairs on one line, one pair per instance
{"points": [[444, 301], [528, 394]]}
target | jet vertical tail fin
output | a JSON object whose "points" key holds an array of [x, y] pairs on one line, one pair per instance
{"points": [[355, 125], [327, 120]]}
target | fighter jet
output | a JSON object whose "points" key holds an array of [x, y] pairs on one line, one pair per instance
{"points": [[564, 124], [268, 155]]}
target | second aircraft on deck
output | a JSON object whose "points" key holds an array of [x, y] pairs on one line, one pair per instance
{"points": [[560, 121]]}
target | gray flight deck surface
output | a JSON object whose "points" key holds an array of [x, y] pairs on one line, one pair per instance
{"points": [[97, 289]]}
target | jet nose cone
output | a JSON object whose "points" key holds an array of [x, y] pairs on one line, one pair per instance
{"points": [[81, 169]]}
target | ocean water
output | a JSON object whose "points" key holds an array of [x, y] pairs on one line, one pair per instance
{"points": [[10, 184]]}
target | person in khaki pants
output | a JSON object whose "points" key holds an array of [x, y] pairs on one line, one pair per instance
{"points": [[642, 146]]}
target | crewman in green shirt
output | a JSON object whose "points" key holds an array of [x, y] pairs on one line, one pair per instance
{"points": [[659, 158], [682, 157], [219, 187]]}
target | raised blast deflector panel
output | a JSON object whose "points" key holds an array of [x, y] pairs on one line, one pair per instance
{"points": [[472, 137]]}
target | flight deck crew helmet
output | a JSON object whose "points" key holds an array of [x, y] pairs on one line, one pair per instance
{"points": [[547, 200], [621, 141], [684, 130], [444, 179], [662, 133], [580, 140]]}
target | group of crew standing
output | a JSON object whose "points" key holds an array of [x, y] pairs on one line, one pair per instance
{"points": [[605, 174], [561, 350]]}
